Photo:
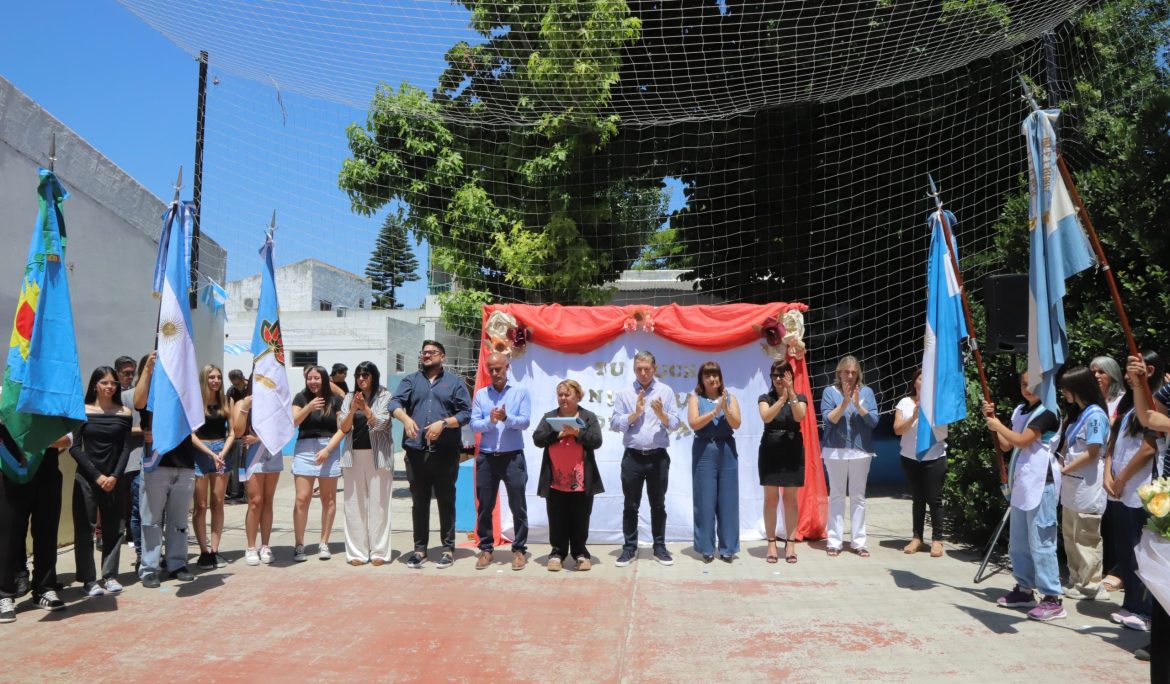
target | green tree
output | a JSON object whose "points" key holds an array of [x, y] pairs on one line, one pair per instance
{"points": [[498, 167], [392, 263]]}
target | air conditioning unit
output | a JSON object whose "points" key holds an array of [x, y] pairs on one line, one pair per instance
{"points": [[249, 303], [341, 310]]}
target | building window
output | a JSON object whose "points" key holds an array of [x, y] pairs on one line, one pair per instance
{"points": [[399, 363], [304, 358], [325, 305]]}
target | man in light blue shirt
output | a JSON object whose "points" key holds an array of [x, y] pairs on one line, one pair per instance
{"points": [[645, 414], [500, 413]]}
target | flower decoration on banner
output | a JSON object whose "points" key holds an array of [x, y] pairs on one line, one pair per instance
{"points": [[783, 336], [794, 333], [507, 336], [640, 317]]}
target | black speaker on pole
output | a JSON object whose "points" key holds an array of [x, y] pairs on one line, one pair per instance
{"points": [[1006, 300]]}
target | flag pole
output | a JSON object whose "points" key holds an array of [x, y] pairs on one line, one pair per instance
{"points": [[1083, 214], [971, 340]]}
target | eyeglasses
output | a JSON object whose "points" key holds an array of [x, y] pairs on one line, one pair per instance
{"points": [[777, 375], [362, 375], [429, 352]]}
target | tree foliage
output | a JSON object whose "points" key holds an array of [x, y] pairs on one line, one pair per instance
{"points": [[512, 211], [392, 264]]}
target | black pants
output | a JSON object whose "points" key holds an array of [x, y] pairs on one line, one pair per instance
{"points": [[1126, 532], [1159, 645], [427, 472], [568, 523], [490, 471], [926, 486], [88, 500], [39, 502], [652, 468]]}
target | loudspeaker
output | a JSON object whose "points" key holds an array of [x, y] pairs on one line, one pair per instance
{"points": [[1006, 300]]}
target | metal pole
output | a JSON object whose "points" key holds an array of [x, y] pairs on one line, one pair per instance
{"points": [[991, 546], [197, 184]]}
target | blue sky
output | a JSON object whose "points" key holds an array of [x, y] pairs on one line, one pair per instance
{"points": [[275, 122]]}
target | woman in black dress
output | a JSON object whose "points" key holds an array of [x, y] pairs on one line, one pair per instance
{"points": [[782, 456], [101, 447]]}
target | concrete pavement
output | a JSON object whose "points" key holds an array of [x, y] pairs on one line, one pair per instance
{"points": [[890, 617]]}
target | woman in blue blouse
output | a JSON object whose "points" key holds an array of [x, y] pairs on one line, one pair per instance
{"points": [[713, 414], [850, 412]]}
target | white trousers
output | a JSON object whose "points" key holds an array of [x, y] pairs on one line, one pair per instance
{"points": [[847, 477], [367, 508]]}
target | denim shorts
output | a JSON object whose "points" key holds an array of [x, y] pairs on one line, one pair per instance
{"points": [[305, 459], [260, 460], [204, 465]]}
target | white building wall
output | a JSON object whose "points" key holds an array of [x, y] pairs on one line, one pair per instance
{"points": [[112, 224], [302, 287]]}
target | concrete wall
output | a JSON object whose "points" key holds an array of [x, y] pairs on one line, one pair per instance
{"points": [[113, 224], [302, 287]]}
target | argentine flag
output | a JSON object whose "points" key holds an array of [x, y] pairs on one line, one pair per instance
{"points": [[175, 396], [271, 401], [942, 398], [1059, 249]]}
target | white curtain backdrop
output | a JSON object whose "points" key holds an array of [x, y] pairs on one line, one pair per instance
{"points": [[609, 369]]}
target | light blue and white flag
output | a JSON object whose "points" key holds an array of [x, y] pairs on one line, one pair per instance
{"points": [[1059, 249], [271, 411], [215, 297], [942, 399], [175, 395]]}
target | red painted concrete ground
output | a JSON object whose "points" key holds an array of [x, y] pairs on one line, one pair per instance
{"points": [[887, 618]]}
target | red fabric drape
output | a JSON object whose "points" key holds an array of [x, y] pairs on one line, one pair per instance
{"points": [[581, 329]]}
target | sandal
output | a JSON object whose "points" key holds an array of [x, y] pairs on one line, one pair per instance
{"points": [[833, 553], [789, 558], [863, 552], [771, 557], [1112, 583]]}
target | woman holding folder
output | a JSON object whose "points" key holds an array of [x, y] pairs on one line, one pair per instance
{"points": [[569, 478]]}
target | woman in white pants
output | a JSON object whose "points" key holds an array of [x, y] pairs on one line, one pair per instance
{"points": [[367, 465], [850, 412]]}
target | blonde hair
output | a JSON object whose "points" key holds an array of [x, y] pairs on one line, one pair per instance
{"points": [[208, 398], [843, 364], [573, 387]]}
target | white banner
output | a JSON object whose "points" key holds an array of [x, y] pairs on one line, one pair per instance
{"points": [[609, 369]]}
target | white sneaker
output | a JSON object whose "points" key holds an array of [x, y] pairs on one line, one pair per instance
{"points": [[265, 554], [251, 557], [94, 589], [299, 554], [323, 552], [113, 586]]}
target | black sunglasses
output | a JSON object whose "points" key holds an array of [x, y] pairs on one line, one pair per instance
{"points": [[362, 375]]}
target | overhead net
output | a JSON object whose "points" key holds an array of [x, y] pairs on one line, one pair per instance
{"points": [[772, 151]]}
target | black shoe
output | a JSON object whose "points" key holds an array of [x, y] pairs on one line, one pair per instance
{"points": [[708, 558], [48, 601], [150, 580], [446, 560], [416, 560], [182, 574], [1143, 653], [663, 556], [627, 557], [206, 561], [7, 610], [725, 559], [22, 587]]}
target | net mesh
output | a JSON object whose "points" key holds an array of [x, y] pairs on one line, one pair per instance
{"points": [[774, 151]]}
